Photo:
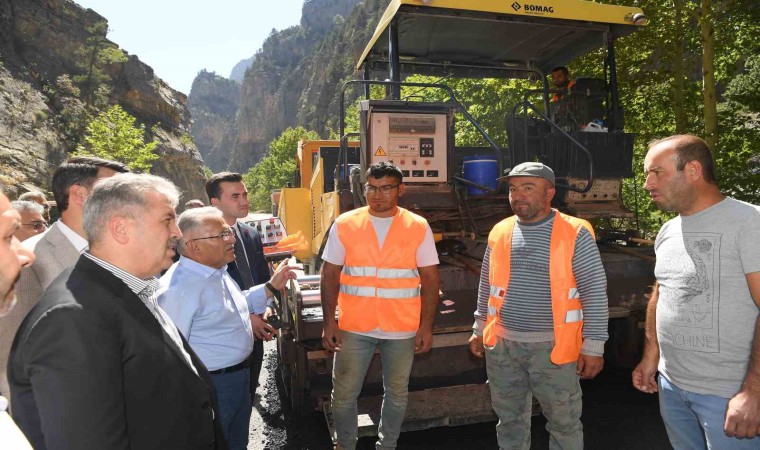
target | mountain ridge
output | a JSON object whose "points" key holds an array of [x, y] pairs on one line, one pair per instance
{"points": [[294, 80]]}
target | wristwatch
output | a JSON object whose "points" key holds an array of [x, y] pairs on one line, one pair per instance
{"points": [[271, 289]]}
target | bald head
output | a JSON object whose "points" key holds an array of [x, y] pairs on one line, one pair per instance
{"points": [[680, 174], [687, 148]]}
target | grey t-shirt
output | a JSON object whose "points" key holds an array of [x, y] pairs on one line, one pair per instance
{"points": [[705, 313]]}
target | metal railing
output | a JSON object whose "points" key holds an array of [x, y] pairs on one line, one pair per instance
{"points": [[527, 105]]}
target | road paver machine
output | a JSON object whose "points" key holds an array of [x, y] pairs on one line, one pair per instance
{"points": [[455, 188]]}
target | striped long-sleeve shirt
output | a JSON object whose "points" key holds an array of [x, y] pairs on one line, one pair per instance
{"points": [[526, 315]]}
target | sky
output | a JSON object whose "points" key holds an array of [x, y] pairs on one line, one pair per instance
{"points": [[178, 39]]}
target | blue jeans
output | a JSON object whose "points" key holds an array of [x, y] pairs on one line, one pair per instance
{"points": [[349, 369], [517, 371], [234, 397], [695, 421]]}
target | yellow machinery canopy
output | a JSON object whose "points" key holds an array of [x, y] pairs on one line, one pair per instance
{"points": [[495, 38]]}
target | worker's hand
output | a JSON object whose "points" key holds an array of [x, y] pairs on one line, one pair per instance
{"points": [[743, 415], [589, 366], [423, 342], [261, 329], [643, 376], [476, 346], [284, 272], [331, 337]]}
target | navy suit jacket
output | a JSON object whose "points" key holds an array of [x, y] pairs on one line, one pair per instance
{"points": [[254, 249]]}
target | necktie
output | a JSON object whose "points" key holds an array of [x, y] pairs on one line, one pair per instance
{"points": [[148, 297], [242, 263]]}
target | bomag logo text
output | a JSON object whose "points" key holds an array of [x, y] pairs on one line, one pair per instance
{"points": [[538, 9]]}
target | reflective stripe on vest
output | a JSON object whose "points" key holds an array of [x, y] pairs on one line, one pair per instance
{"points": [[380, 273], [380, 288], [365, 291], [574, 315], [567, 314], [498, 291]]}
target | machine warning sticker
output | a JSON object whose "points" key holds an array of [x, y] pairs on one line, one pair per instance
{"points": [[380, 152]]}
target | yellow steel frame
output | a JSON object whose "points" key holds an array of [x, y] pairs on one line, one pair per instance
{"points": [[578, 10]]}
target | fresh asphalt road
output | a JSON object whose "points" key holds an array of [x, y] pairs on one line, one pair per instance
{"points": [[615, 416]]}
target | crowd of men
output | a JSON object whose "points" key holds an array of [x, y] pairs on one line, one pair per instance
{"points": [[117, 342], [98, 351]]}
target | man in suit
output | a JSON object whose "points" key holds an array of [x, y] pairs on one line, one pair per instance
{"points": [[59, 247], [227, 193], [97, 364]]}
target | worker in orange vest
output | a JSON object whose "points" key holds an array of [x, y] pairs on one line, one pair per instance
{"points": [[561, 80], [563, 109], [381, 271], [541, 320]]}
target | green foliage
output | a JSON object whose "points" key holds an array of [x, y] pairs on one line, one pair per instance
{"points": [[41, 116], [93, 60], [186, 139], [737, 155], [275, 169], [646, 62], [79, 97], [113, 134]]}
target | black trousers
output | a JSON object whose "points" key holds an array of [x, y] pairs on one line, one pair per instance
{"points": [[257, 359]]}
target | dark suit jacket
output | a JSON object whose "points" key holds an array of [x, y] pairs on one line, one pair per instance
{"points": [[92, 369], [254, 249]]}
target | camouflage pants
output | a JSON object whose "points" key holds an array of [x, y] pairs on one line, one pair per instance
{"points": [[518, 370]]}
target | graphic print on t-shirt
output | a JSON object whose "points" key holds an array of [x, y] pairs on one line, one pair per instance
{"points": [[689, 275]]}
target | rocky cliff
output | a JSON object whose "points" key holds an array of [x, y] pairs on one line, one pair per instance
{"points": [[42, 47], [213, 103], [295, 79]]}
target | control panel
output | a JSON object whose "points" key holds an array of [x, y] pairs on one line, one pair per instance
{"points": [[415, 143], [271, 231]]}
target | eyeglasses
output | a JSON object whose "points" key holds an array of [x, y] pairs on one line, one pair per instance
{"points": [[225, 235], [385, 190], [36, 225]]}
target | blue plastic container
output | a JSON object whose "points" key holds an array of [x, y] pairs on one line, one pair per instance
{"points": [[483, 170]]}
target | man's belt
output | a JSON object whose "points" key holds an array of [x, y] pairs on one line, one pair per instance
{"points": [[239, 366]]}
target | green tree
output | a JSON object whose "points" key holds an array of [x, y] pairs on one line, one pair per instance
{"points": [[113, 134], [737, 155], [275, 169], [707, 22], [93, 60]]}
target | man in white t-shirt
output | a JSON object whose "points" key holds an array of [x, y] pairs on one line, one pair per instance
{"points": [[702, 320], [381, 271]]}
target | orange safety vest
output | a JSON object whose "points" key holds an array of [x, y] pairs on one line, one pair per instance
{"points": [[380, 288], [566, 306], [556, 97]]}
